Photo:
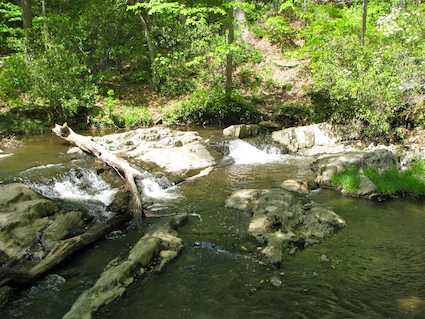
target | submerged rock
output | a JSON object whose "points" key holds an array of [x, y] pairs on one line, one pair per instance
{"points": [[159, 246], [182, 154], [282, 220], [242, 130], [275, 281]]}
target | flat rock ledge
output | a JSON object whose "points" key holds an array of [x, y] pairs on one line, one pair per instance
{"points": [[242, 130], [178, 153], [155, 249], [315, 139], [36, 234], [283, 221]]}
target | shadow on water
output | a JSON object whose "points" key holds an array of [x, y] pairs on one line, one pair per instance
{"points": [[371, 267]]}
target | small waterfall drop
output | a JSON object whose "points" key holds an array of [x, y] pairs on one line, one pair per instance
{"points": [[244, 153], [79, 186]]}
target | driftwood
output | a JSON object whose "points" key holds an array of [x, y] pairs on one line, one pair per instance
{"points": [[121, 166], [12, 275]]}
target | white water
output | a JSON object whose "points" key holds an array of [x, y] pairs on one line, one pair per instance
{"points": [[244, 153], [152, 189], [84, 185]]}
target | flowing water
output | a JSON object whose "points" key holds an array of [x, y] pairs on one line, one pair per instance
{"points": [[375, 267]]}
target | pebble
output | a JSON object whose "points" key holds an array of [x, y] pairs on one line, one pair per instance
{"points": [[275, 281], [324, 258]]}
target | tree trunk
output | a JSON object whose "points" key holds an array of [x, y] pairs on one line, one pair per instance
{"points": [[229, 58], [151, 47], [122, 167], [364, 20], [26, 14]]}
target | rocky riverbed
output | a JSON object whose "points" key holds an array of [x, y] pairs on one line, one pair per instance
{"points": [[259, 208]]}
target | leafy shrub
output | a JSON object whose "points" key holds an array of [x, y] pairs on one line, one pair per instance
{"points": [[205, 107], [294, 114], [379, 84], [14, 78], [279, 31], [61, 82], [131, 117]]}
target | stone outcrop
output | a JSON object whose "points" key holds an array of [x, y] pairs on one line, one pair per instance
{"points": [[327, 166], [155, 249], [242, 130], [284, 221], [295, 186], [178, 153], [36, 234], [314, 139]]}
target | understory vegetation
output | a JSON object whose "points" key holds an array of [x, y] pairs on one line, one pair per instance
{"points": [[74, 62], [392, 181]]}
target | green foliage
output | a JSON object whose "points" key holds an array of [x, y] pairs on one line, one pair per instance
{"points": [[132, 117], [348, 180], [378, 85], [61, 82], [10, 33], [393, 181], [14, 78], [210, 107], [277, 30], [294, 114]]}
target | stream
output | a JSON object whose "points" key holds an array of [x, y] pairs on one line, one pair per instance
{"points": [[373, 268]]}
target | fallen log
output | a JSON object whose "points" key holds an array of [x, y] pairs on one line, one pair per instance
{"points": [[121, 166]]}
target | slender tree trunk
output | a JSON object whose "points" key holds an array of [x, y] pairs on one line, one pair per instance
{"points": [[364, 20], [26, 14], [229, 58], [151, 46]]}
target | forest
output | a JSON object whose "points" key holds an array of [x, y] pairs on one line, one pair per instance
{"points": [[127, 64], [212, 159]]}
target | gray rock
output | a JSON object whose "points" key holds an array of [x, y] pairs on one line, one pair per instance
{"points": [[275, 281], [295, 186], [281, 220], [327, 166], [324, 258], [305, 137], [182, 154], [35, 234], [242, 130], [162, 242], [366, 187], [23, 215]]}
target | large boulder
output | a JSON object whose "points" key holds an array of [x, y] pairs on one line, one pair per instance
{"points": [[282, 220], [178, 153], [327, 166], [36, 233], [324, 137], [242, 130]]}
